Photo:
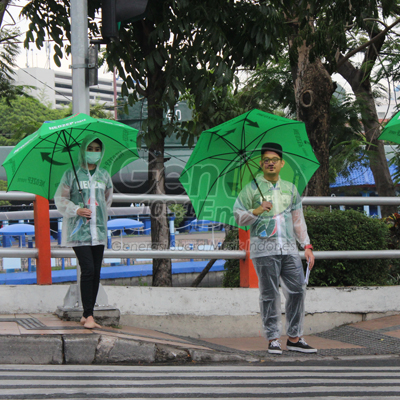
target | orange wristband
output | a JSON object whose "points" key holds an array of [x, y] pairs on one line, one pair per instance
{"points": [[308, 246]]}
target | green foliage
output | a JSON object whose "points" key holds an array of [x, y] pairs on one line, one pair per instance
{"points": [[223, 105], [9, 50], [270, 87], [23, 117], [180, 211], [180, 47], [337, 231], [232, 267], [347, 230], [3, 188]]}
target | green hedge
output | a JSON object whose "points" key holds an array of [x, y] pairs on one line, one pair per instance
{"points": [[347, 230], [339, 230], [232, 268]]}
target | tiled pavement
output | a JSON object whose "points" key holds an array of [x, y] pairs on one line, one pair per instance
{"points": [[375, 337]]}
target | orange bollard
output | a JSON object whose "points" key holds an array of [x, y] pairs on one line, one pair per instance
{"points": [[248, 275], [42, 239]]}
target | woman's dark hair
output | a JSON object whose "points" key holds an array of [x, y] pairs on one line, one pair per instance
{"points": [[99, 142]]}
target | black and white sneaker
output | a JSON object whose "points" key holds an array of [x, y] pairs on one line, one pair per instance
{"points": [[300, 346], [275, 347]]}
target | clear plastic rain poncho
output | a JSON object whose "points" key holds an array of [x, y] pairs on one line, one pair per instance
{"points": [[274, 232], [274, 252], [97, 192]]}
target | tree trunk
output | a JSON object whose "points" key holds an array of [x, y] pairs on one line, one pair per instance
{"points": [[162, 272], [361, 86], [313, 89]]}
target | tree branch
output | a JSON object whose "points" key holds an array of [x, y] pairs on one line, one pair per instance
{"points": [[373, 40]]}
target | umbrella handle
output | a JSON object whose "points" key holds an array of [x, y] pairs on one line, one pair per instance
{"points": [[84, 205], [255, 181]]}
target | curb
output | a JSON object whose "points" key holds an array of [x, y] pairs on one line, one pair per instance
{"points": [[103, 349]]}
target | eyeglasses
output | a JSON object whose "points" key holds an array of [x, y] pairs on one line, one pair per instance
{"points": [[273, 160]]}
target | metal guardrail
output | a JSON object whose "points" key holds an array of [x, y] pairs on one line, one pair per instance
{"points": [[203, 254], [151, 198], [207, 254], [170, 254]]}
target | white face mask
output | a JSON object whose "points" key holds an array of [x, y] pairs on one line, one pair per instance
{"points": [[93, 157]]}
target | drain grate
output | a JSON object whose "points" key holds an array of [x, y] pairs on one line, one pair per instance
{"points": [[373, 342], [30, 323], [27, 323]]}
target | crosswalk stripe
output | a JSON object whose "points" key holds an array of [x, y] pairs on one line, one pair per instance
{"points": [[199, 382], [128, 368], [194, 375], [188, 382], [194, 390]]}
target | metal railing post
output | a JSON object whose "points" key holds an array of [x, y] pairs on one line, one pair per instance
{"points": [[248, 275], [42, 239]]}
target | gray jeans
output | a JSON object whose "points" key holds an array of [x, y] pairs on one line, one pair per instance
{"points": [[288, 270]]}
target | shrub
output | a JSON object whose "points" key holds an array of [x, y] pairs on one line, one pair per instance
{"points": [[347, 230], [180, 211], [231, 267], [341, 231]]}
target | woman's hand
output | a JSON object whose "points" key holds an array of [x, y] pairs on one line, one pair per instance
{"points": [[84, 212]]}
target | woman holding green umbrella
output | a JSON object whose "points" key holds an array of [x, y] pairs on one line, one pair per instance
{"points": [[82, 197]]}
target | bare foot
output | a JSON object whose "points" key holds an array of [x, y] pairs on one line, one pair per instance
{"points": [[83, 320], [90, 324]]}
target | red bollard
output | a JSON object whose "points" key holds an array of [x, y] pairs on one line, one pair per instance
{"points": [[42, 239], [248, 275]]}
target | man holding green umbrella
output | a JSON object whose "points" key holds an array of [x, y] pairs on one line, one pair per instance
{"points": [[272, 207]]}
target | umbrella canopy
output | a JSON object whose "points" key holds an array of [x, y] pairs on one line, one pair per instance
{"points": [[392, 130], [18, 230], [124, 223], [37, 163], [226, 158]]}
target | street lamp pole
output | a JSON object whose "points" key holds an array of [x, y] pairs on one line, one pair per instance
{"points": [[80, 56]]}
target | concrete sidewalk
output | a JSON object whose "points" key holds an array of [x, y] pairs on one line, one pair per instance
{"points": [[45, 339]]}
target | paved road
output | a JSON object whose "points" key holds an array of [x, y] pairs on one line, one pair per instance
{"points": [[206, 382]]}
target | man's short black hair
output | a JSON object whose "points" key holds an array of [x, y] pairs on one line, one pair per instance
{"points": [[275, 147]]}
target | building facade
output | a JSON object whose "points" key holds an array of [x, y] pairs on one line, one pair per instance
{"points": [[54, 88]]}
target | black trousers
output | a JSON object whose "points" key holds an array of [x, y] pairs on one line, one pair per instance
{"points": [[90, 259]]}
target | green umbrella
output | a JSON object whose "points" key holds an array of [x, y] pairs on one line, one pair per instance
{"points": [[391, 131], [37, 163], [227, 157]]}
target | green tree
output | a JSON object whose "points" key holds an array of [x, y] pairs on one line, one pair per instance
{"points": [[180, 47], [271, 89], [313, 34], [316, 38], [9, 49], [22, 116], [375, 31]]}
